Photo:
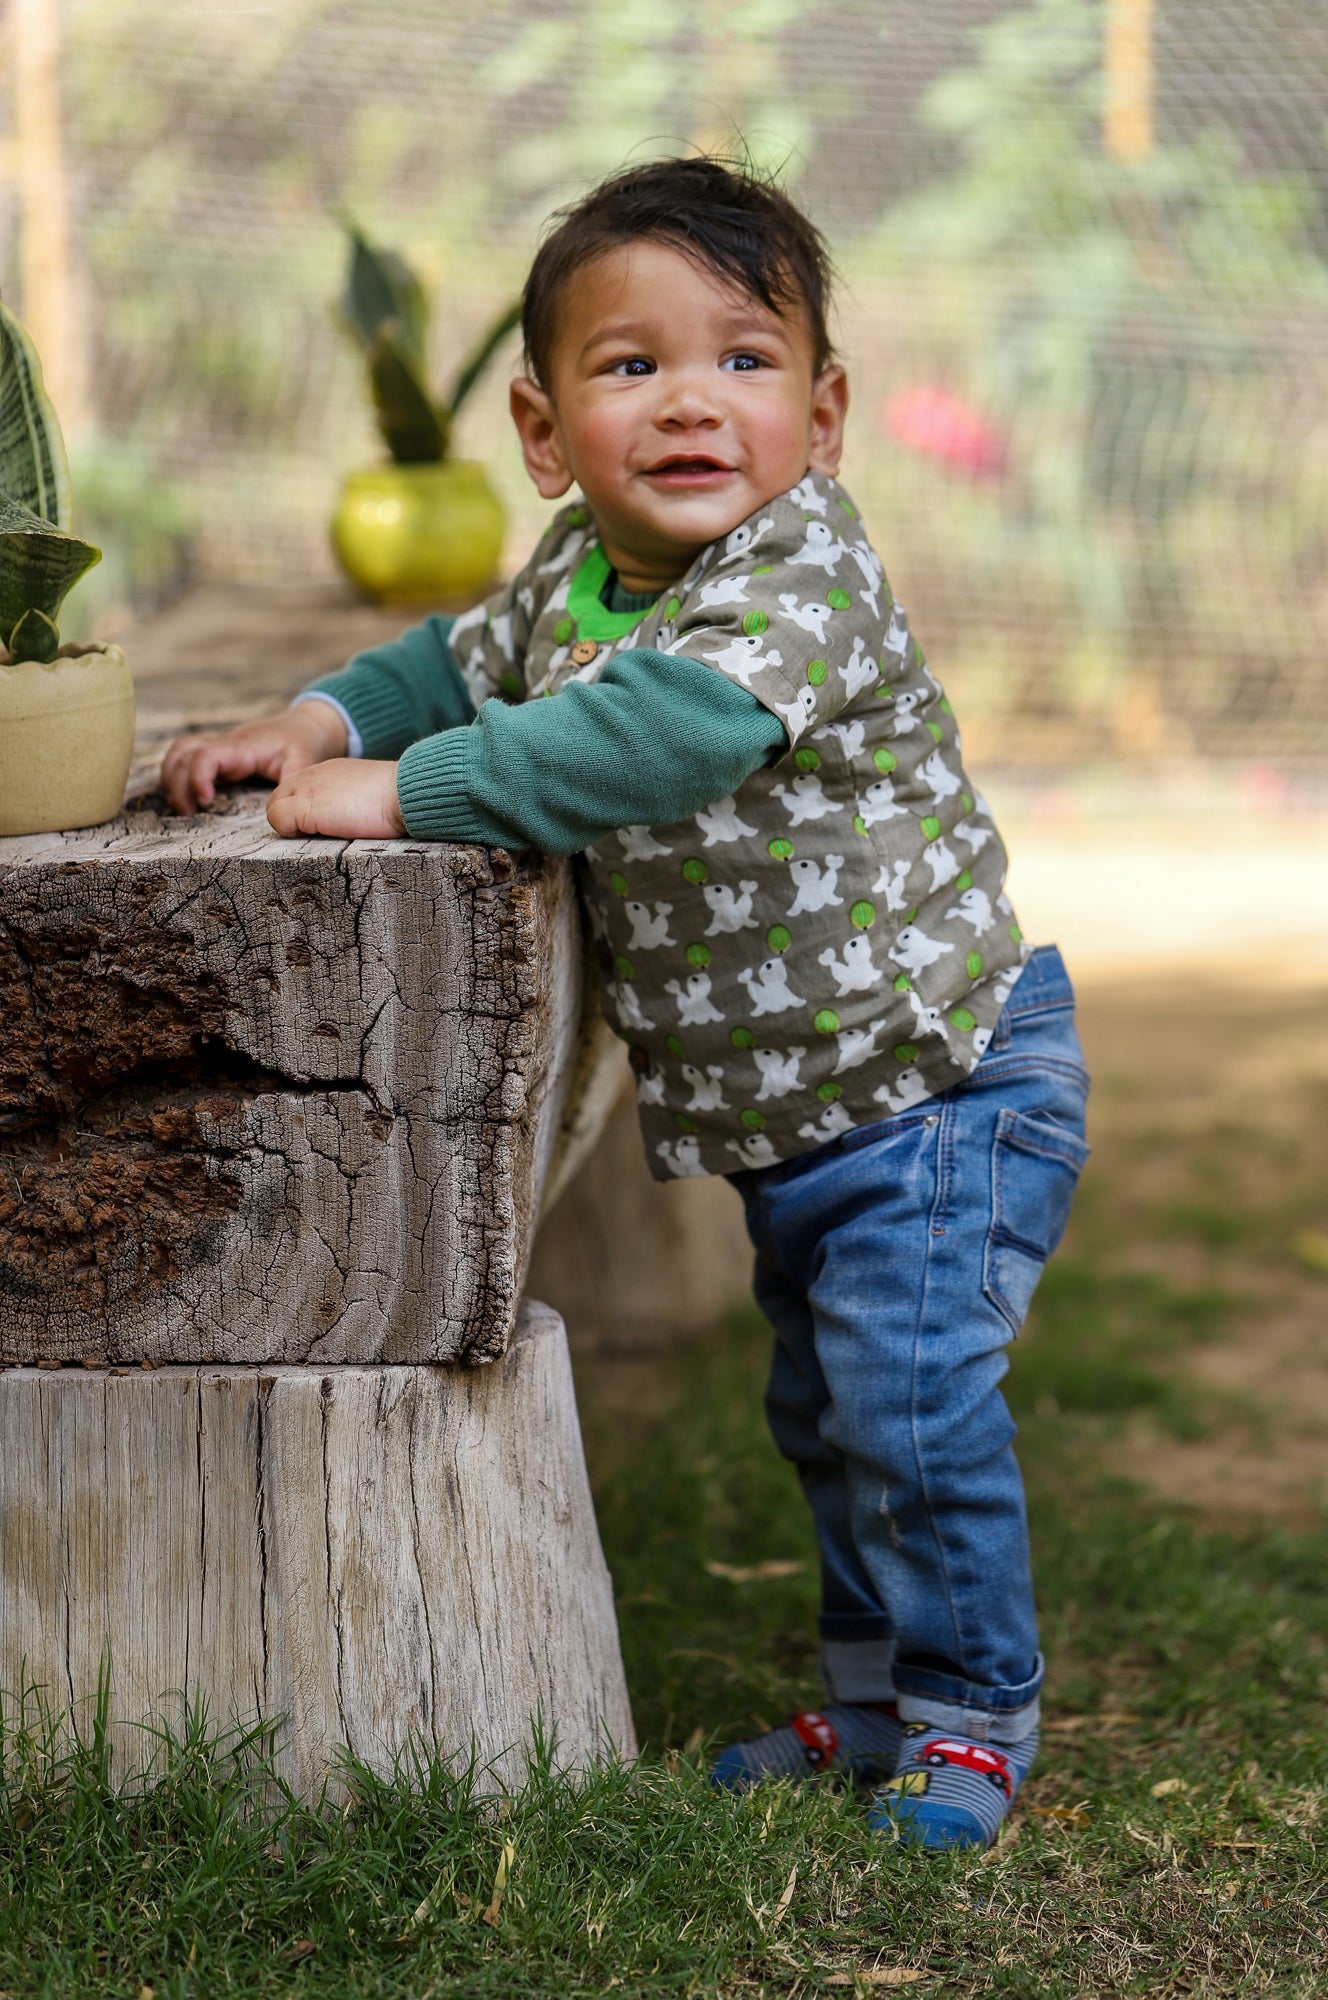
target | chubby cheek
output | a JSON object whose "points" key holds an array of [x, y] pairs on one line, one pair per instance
{"points": [[603, 445], [776, 439]]}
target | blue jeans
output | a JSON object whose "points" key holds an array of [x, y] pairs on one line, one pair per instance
{"points": [[895, 1263]]}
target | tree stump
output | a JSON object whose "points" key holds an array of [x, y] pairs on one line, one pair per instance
{"points": [[266, 1100], [382, 1557], [276, 1121]]}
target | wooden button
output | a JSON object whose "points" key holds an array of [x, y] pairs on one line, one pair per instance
{"points": [[584, 651]]}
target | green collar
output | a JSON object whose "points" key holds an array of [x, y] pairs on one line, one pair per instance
{"points": [[593, 618]]}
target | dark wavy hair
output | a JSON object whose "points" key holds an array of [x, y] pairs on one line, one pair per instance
{"points": [[724, 215]]}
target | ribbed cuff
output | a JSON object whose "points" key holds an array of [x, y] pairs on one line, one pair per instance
{"points": [[374, 704], [354, 741], [434, 793]]}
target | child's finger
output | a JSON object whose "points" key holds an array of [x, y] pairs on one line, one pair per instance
{"points": [[175, 778]]}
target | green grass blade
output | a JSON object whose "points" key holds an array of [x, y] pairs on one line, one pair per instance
{"points": [[33, 467]]}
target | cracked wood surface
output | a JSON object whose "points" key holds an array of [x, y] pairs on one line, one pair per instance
{"points": [[266, 1100], [369, 1556]]}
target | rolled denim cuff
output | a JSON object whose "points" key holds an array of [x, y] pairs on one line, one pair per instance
{"points": [[995, 1715], [858, 1669], [982, 1725]]}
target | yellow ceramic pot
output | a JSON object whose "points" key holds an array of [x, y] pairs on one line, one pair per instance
{"points": [[424, 534], [66, 740]]}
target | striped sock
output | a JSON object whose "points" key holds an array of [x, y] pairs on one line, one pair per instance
{"points": [[950, 1791], [859, 1738]]}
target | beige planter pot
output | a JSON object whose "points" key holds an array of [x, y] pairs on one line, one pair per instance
{"points": [[66, 740]]}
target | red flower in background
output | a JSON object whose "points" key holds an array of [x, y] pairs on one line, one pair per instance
{"points": [[938, 424]]}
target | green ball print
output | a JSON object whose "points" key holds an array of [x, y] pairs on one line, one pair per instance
{"points": [[780, 847], [964, 880], [964, 1019], [862, 916], [931, 826], [973, 964], [694, 871], [755, 622], [816, 673], [675, 1046], [826, 1021], [807, 759], [683, 1122], [698, 956], [753, 1119], [673, 607], [564, 630], [837, 599], [742, 1038], [778, 938], [618, 882], [622, 965], [905, 1052], [884, 760], [829, 1090]]}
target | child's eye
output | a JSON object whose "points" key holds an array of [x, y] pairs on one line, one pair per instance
{"points": [[634, 365], [742, 362]]}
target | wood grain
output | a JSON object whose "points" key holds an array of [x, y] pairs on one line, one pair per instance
{"points": [[369, 1556], [266, 1100]]}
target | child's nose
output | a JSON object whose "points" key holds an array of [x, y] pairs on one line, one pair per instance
{"points": [[686, 401]]}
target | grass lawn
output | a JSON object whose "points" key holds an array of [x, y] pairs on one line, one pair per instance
{"points": [[1171, 1840]]}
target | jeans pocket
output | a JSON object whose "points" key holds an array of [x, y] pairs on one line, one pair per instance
{"points": [[1035, 1165]]}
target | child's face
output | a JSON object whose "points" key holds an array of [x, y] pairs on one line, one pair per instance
{"points": [[677, 405]]}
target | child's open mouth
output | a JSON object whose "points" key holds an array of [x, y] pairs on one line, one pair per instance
{"points": [[689, 472]]}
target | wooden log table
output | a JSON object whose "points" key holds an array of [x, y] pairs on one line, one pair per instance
{"points": [[276, 1120]]}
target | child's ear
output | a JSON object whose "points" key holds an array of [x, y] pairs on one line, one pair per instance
{"points": [[829, 409], [536, 421]]}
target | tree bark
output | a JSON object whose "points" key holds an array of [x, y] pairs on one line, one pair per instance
{"points": [[266, 1100], [378, 1557]]}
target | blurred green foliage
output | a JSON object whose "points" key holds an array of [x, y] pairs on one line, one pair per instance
{"points": [[1152, 340]]}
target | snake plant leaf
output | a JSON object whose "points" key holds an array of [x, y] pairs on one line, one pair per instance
{"points": [[382, 288], [413, 427], [480, 356], [39, 565], [33, 468]]}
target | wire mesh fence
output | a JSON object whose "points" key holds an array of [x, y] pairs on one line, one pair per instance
{"points": [[1084, 254]]}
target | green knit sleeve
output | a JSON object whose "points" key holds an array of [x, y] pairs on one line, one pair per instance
{"points": [[398, 692], [655, 739]]}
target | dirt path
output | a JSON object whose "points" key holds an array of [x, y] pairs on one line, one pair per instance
{"points": [[1210, 1132]]}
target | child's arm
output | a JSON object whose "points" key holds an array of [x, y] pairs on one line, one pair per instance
{"points": [[384, 699], [656, 738]]}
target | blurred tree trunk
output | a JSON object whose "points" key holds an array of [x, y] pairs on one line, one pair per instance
{"points": [[1127, 56], [49, 298]]}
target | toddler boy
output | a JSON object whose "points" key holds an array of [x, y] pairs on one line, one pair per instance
{"points": [[700, 682]]}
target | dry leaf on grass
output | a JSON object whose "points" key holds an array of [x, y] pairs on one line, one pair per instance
{"points": [[505, 1860], [878, 1975], [782, 1905], [1070, 1725], [1062, 1815], [1166, 1786], [754, 1572], [1311, 1248]]}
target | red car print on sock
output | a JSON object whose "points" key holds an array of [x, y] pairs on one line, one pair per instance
{"points": [[818, 1737], [970, 1757]]}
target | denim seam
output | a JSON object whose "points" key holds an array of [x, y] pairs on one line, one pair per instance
{"points": [[1022, 1066], [1050, 1004], [920, 1319], [944, 1168]]}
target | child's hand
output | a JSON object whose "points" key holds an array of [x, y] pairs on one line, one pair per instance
{"points": [[277, 747], [352, 798]]}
